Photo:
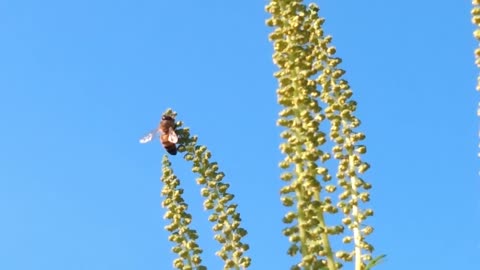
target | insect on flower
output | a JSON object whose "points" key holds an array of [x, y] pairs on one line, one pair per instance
{"points": [[166, 130]]}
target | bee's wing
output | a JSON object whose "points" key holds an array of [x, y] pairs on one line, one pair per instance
{"points": [[172, 136], [148, 137]]}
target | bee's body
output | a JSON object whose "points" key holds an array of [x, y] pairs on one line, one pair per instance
{"points": [[168, 137]]}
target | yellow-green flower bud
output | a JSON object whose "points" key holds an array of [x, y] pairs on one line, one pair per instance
{"points": [[208, 204], [286, 176], [331, 50], [367, 230], [330, 188], [361, 149], [363, 167], [289, 217], [368, 212], [476, 19], [178, 263], [287, 201], [347, 239], [365, 197]]}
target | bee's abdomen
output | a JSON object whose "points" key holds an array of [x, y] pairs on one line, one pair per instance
{"points": [[171, 149]]}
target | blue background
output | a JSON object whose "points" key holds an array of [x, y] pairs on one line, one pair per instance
{"points": [[82, 81]]}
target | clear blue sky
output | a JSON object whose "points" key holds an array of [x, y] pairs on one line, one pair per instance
{"points": [[81, 81]]}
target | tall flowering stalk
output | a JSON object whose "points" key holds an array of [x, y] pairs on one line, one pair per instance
{"points": [[314, 95], [218, 200], [185, 238]]}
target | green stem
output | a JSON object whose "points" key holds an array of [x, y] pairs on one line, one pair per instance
{"points": [[301, 214], [356, 225], [326, 241]]}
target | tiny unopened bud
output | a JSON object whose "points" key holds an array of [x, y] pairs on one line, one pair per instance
{"points": [[363, 167], [367, 230], [331, 50], [287, 201], [347, 239], [361, 149]]}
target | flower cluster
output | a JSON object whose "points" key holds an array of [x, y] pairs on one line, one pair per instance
{"points": [[185, 238], [218, 200], [314, 96]]}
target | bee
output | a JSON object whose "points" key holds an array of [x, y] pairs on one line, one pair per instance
{"points": [[166, 130]]}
